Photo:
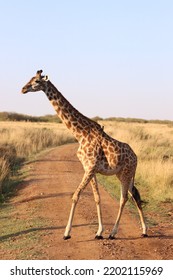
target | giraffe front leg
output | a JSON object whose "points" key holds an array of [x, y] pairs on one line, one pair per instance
{"points": [[97, 201], [69, 224], [86, 179]]}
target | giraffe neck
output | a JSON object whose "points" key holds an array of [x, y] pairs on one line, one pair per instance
{"points": [[80, 125]]}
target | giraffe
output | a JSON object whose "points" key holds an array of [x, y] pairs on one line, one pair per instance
{"points": [[98, 153]]}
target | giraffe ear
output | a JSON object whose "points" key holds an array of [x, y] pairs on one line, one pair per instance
{"points": [[45, 78]]}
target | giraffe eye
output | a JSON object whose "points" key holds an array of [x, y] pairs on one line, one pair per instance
{"points": [[37, 81]]}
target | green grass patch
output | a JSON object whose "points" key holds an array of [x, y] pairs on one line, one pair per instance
{"points": [[19, 235], [111, 184]]}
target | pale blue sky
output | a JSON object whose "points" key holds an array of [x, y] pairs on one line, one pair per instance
{"points": [[109, 58]]}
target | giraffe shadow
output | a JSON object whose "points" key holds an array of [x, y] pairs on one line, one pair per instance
{"points": [[40, 197], [27, 183], [38, 229], [51, 160], [37, 197]]}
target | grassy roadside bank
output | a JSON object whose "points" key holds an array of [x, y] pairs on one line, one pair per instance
{"points": [[21, 141]]}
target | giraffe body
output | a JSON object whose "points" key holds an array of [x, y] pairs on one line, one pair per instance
{"points": [[98, 153]]}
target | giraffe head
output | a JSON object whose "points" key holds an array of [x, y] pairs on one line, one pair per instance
{"points": [[36, 83]]}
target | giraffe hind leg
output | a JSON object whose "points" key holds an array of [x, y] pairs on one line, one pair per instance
{"points": [[123, 200]]}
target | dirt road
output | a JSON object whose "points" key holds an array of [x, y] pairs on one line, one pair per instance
{"points": [[41, 208]]}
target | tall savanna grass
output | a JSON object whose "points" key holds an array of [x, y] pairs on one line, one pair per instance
{"points": [[20, 140], [153, 145]]}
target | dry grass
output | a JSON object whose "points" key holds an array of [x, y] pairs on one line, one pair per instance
{"points": [[20, 140], [153, 145]]}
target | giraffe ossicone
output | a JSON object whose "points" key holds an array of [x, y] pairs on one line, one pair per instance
{"points": [[98, 153]]}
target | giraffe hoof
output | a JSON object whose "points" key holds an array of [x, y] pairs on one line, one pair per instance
{"points": [[144, 235], [98, 237], [67, 237], [111, 237]]}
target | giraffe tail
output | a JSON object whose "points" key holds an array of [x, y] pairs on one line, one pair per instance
{"points": [[136, 195]]}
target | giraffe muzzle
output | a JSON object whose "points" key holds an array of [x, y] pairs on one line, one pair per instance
{"points": [[24, 90]]}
